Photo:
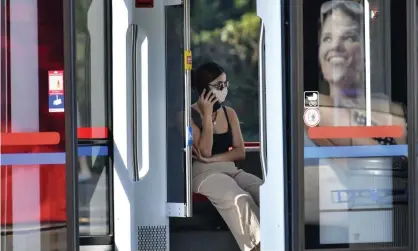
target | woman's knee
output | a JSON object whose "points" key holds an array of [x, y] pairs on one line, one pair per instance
{"points": [[220, 187]]}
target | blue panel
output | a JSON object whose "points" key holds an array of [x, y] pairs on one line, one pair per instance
{"points": [[93, 151], [32, 159], [355, 151], [49, 158]]}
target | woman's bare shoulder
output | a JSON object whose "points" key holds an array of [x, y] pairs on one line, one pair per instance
{"points": [[379, 103], [231, 112], [382, 103]]}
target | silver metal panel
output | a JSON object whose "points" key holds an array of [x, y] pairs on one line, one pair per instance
{"points": [[272, 193], [152, 238], [172, 2], [96, 248], [176, 210]]}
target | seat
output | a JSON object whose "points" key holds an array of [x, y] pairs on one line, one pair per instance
{"points": [[205, 215]]}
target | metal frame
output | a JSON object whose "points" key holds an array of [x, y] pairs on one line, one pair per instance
{"points": [[187, 112], [70, 98], [105, 239], [5, 58], [295, 72], [296, 141], [109, 107], [177, 203], [412, 119], [273, 192]]}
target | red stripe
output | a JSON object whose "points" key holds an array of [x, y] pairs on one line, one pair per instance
{"points": [[92, 133], [345, 132], [29, 138], [252, 144]]}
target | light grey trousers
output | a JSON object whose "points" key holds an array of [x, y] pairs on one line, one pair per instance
{"points": [[235, 194]]}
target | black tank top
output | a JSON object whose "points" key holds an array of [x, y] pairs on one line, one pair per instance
{"points": [[222, 141]]}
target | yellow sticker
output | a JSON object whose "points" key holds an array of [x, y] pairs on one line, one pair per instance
{"points": [[188, 60]]}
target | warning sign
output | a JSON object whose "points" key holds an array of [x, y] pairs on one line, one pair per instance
{"points": [[56, 91]]}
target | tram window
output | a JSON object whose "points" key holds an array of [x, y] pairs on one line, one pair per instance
{"points": [[90, 63], [233, 44], [355, 159]]}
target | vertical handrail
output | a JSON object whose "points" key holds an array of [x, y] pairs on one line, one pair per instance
{"points": [[134, 37], [367, 62], [261, 75], [187, 109]]}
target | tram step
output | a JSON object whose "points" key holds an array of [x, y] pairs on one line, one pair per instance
{"points": [[203, 241], [205, 218]]}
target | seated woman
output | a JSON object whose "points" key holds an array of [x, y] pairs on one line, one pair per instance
{"points": [[217, 144]]}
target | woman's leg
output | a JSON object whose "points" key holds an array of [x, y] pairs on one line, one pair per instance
{"points": [[235, 205], [249, 183]]}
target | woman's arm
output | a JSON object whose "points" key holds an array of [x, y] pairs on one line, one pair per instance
{"points": [[238, 148], [205, 138], [200, 139]]}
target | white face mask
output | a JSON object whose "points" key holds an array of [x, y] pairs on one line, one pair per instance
{"points": [[220, 94]]}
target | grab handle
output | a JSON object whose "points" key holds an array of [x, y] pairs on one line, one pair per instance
{"points": [[262, 109], [134, 37], [187, 109]]}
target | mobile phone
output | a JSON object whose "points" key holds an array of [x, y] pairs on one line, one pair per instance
{"points": [[216, 106]]}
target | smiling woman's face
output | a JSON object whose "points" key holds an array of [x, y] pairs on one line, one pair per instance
{"points": [[340, 47]]}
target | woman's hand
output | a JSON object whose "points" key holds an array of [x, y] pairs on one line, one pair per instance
{"points": [[206, 103], [198, 156]]}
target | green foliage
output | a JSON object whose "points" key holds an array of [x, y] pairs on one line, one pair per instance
{"points": [[232, 43]]}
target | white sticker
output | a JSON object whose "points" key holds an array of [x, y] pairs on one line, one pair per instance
{"points": [[311, 117], [311, 99]]}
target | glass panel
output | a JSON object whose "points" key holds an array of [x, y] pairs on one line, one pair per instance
{"points": [[33, 186], [228, 33], [94, 190], [91, 75], [92, 116], [176, 160], [355, 171]]}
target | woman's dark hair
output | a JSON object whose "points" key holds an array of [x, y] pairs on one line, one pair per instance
{"points": [[204, 74]]}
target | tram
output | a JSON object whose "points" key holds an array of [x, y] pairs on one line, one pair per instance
{"points": [[92, 157]]}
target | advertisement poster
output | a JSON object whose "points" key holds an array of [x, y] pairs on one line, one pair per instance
{"points": [[56, 91]]}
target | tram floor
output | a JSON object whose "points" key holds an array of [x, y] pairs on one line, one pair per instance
{"points": [[203, 241]]}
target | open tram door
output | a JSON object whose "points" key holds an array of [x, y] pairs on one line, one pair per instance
{"points": [[38, 126], [351, 124], [154, 207]]}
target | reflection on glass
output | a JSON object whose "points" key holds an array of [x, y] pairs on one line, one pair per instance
{"points": [[92, 117], [33, 181], [90, 63], [356, 172], [94, 195], [33, 213]]}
